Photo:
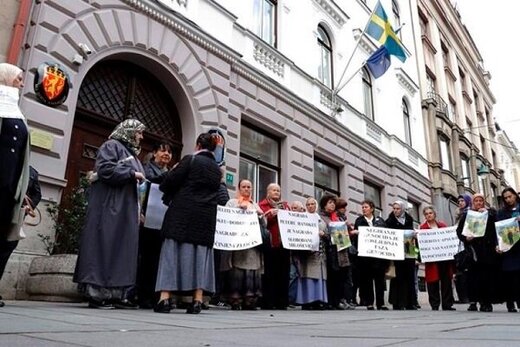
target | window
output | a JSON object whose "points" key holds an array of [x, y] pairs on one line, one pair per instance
{"points": [[325, 67], [452, 110], [326, 179], [373, 192], [464, 170], [413, 211], [444, 144], [430, 84], [445, 54], [462, 76], [367, 94], [406, 119], [259, 159], [423, 22], [265, 16], [397, 17]]}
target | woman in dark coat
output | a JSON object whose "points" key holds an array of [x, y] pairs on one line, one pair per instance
{"points": [[371, 270], [150, 240], [107, 260], [482, 275], [402, 288], [511, 258], [275, 285], [186, 264]]}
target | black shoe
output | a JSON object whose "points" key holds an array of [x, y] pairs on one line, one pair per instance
{"points": [[382, 308], [100, 304], [249, 308], [435, 308], [125, 304], [512, 310], [486, 308], [411, 308], [204, 306], [370, 308], [307, 307], [163, 306], [195, 307], [236, 307], [2, 304], [397, 308], [451, 308], [472, 307]]}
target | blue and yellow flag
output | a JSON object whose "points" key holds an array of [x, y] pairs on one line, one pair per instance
{"points": [[380, 29]]}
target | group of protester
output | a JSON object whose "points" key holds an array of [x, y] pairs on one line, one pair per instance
{"points": [[122, 264]]}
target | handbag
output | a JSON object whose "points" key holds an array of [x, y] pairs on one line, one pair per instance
{"points": [[465, 258], [390, 272], [266, 237]]}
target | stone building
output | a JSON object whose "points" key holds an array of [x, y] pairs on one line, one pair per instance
{"points": [[263, 71]]}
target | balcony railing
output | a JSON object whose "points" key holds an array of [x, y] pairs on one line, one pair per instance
{"points": [[442, 106]]}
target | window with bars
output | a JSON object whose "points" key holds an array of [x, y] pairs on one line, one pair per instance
{"points": [[326, 179]]}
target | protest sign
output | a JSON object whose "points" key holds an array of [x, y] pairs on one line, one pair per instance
{"points": [[438, 244], [236, 229], [410, 244], [155, 209], [507, 233], [299, 230], [475, 224], [339, 235], [381, 243]]}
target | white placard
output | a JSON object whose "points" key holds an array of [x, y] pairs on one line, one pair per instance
{"points": [[438, 244], [299, 230], [155, 209], [381, 243], [236, 229]]}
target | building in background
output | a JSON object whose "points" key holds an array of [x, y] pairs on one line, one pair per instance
{"points": [[263, 71], [508, 159], [457, 108]]}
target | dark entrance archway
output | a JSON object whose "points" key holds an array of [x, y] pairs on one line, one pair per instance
{"points": [[112, 91]]}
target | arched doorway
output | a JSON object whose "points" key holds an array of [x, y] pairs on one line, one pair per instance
{"points": [[112, 91]]}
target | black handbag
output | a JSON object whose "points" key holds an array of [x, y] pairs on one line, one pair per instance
{"points": [[266, 236], [465, 258]]}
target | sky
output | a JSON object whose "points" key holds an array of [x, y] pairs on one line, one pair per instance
{"points": [[494, 27]]}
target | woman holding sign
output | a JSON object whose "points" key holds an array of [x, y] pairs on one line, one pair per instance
{"points": [[402, 288], [511, 257], [482, 275], [277, 261], [242, 270], [438, 274]]}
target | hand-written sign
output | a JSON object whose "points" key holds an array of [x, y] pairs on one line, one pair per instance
{"points": [[299, 230], [381, 243], [438, 244], [508, 233], [236, 229], [475, 223]]}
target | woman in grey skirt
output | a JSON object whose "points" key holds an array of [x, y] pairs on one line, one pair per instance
{"points": [[186, 262]]}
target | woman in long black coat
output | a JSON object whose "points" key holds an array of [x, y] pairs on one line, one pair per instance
{"points": [[402, 288], [107, 260], [483, 274], [186, 264]]}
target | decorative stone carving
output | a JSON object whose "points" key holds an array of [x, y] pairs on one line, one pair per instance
{"points": [[269, 58]]}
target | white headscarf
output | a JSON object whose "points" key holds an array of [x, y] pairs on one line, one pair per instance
{"points": [[9, 94], [402, 217], [8, 73]]}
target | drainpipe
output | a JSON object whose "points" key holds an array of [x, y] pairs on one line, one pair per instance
{"points": [[18, 31]]}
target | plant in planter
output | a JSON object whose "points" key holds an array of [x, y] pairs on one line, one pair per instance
{"points": [[50, 277]]}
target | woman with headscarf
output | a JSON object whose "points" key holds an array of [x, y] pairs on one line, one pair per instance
{"points": [[186, 264], [242, 270], [276, 259], [439, 274], [402, 287], [107, 259], [511, 258], [482, 275]]}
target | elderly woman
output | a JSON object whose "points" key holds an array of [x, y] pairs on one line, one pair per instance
{"points": [[276, 259], [402, 288], [371, 270], [311, 269], [338, 263], [439, 274], [511, 258], [150, 240], [186, 264], [242, 270], [107, 260], [482, 275]]}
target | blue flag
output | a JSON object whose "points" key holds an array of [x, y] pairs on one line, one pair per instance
{"points": [[379, 62], [380, 29]]}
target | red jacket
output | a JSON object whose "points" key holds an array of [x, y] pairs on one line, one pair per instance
{"points": [[431, 269], [272, 223]]}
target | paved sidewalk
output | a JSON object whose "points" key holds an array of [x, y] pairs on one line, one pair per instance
{"points": [[36, 324]]}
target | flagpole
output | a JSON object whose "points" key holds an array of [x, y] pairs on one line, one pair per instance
{"points": [[353, 75], [336, 90]]}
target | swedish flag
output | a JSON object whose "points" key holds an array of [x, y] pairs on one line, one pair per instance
{"points": [[380, 29]]}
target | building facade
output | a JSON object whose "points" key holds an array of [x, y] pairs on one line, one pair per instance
{"points": [[265, 72], [508, 159], [457, 108]]}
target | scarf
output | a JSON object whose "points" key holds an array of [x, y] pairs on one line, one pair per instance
{"points": [[8, 73], [402, 217], [9, 103], [125, 133]]}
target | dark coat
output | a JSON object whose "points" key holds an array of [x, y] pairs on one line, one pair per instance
{"points": [[154, 173], [485, 246], [193, 188], [392, 222], [511, 258], [109, 240]]}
